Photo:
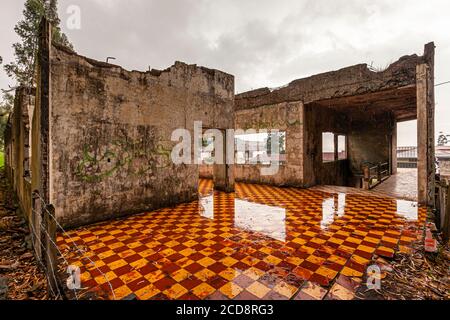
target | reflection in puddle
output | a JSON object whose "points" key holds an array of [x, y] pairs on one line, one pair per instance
{"points": [[207, 207], [331, 207], [267, 220], [270, 221], [407, 210]]}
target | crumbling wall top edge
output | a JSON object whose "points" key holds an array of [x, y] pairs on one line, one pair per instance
{"points": [[153, 72], [360, 72]]}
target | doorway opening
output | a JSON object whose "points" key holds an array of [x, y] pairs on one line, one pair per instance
{"points": [[403, 182]]}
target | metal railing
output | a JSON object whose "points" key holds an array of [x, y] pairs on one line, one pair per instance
{"points": [[407, 157], [443, 207], [373, 174]]}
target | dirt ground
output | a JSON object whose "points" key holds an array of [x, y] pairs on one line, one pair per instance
{"points": [[416, 275], [20, 275], [419, 276]]}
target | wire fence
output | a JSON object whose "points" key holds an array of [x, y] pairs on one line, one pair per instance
{"points": [[66, 269]]}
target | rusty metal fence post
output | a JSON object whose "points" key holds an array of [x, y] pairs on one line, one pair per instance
{"points": [[443, 205], [44, 227], [446, 206], [379, 177], [50, 246], [35, 225], [366, 177]]}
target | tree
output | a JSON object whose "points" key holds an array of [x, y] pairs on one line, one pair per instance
{"points": [[22, 69], [7, 104]]}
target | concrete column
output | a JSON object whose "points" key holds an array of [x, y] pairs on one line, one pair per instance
{"points": [[43, 108], [336, 142], [223, 172], [312, 147], [393, 163], [425, 135], [421, 73]]}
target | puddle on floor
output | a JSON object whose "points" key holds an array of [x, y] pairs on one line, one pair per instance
{"points": [[267, 220], [260, 242]]}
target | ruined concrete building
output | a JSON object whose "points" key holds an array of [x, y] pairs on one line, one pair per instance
{"points": [[94, 140]]}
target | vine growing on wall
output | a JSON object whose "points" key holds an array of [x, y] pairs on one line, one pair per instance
{"points": [[95, 165]]}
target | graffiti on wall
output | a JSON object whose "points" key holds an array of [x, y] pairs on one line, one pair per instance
{"points": [[132, 157]]}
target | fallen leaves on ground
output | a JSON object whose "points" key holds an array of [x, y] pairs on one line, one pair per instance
{"points": [[20, 276], [413, 276], [419, 276]]}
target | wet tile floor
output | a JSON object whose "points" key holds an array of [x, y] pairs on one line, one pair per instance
{"points": [[260, 242]]}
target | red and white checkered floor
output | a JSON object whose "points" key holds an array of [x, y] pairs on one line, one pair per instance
{"points": [[260, 242]]}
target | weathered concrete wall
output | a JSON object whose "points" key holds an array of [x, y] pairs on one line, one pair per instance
{"points": [[394, 160], [286, 117], [318, 120], [9, 151], [286, 176], [348, 101], [335, 173], [101, 135], [17, 145], [205, 171], [110, 132], [425, 128], [346, 82], [370, 140]]}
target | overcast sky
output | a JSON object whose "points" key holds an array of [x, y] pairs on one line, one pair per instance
{"points": [[262, 43]]}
